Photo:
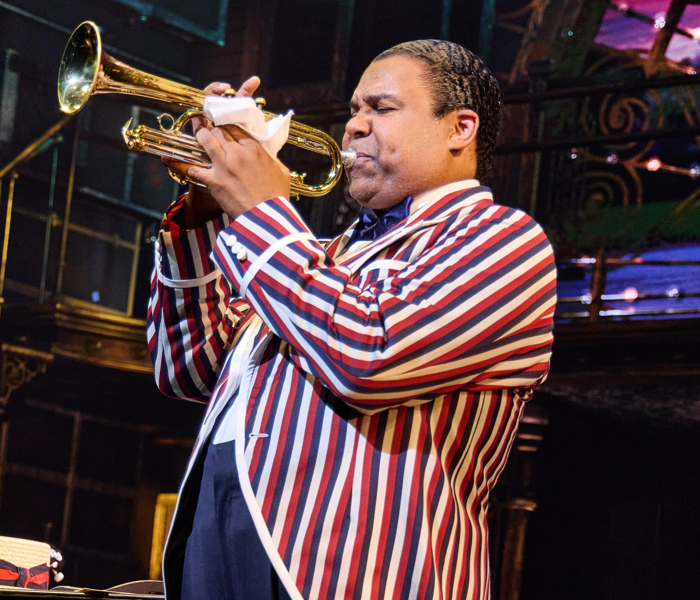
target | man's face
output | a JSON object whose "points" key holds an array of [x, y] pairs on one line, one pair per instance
{"points": [[401, 146]]}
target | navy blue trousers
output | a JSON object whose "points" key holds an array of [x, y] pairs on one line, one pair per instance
{"points": [[224, 558]]}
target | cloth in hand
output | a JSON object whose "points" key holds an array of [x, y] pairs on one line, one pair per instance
{"points": [[243, 112]]}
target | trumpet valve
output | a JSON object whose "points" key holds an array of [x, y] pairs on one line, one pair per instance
{"points": [[260, 103], [298, 178]]}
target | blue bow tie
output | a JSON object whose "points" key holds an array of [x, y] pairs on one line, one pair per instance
{"points": [[375, 223]]}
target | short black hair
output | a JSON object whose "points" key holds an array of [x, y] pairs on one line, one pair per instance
{"points": [[459, 79]]}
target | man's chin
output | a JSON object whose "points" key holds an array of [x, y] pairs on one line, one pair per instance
{"points": [[361, 192], [367, 193]]}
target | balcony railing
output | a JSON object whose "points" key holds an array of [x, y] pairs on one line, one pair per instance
{"points": [[679, 299]]}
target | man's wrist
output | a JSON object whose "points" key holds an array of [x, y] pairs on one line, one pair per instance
{"points": [[200, 207]]}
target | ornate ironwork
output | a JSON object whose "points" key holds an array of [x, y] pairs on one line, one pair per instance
{"points": [[513, 21], [613, 172], [19, 366]]}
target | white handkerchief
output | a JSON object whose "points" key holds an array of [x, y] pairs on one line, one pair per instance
{"points": [[243, 112]]}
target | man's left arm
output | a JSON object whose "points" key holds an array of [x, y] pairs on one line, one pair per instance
{"points": [[474, 311]]}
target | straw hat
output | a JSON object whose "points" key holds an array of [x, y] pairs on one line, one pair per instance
{"points": [[24, 562], [24, 553]]}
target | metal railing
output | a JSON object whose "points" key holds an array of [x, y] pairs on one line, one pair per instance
{"points": [[596, 299], [51, 139]]}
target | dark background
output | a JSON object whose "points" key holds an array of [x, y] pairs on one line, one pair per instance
{"points": [[600, 497]]}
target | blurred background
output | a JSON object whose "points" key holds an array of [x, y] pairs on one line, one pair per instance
{"points": [[600, 143]]}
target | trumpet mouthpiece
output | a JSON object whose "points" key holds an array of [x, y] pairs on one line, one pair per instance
{"points": [[348, 157]]}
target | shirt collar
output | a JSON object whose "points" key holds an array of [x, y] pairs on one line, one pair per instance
{"points": [[372, 224]]}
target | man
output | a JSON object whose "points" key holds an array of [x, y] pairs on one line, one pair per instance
{"points": [[363, 397]]}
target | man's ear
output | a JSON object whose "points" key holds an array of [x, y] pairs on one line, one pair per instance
{"points": [[465, 124]]}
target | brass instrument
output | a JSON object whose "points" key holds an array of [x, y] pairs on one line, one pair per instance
{"points": [[86, 70]]}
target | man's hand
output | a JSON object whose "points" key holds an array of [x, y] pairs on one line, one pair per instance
{"points": [[200, 206], [242, 174]]}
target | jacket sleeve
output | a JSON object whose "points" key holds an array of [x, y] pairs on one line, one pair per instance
{"points": [[474, 310], [193, 312]]}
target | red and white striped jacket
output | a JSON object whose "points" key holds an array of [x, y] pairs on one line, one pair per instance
{"points": [[379, 389]]}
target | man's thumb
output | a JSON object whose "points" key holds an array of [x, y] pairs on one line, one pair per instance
{"points": [[199, 175], [249, 86]]}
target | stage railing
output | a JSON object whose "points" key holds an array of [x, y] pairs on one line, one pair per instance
{"points": [[631, 295]]}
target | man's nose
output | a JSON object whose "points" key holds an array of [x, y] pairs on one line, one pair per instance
{"points": [[357, 127]]}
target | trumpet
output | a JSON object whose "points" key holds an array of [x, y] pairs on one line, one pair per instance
{"points": [[86, 70]]}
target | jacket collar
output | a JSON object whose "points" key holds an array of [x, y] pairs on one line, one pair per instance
{"points": [[427, 209], [442, 191]]}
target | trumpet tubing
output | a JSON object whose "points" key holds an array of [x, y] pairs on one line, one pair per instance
{"points": [[87, 70]]}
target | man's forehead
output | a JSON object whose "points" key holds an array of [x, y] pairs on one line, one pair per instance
{"points": [[393, 76]]}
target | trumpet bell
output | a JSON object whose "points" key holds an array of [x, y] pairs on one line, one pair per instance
{"points": [[86, 70], [80, 66]]}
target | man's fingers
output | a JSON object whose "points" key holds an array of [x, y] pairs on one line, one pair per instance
{"points": [[248, 87], [198, 122], [210, 143], [199, 174], [234, 132], [176, 166], [216, 89]]}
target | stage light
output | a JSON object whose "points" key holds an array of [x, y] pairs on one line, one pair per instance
{"points": [[611, 159], [673, 292], [694, 171], [653, 164], [659, 21], [574, 154], [630, 294]]}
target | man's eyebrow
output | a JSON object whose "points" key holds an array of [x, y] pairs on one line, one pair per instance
{"points": [[378, 97], [374, 99]]}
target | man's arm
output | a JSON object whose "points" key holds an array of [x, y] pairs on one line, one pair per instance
{"points": [[475, 310], [192, 313]]}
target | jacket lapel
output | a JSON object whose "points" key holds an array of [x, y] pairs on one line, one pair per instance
{"points": [[426, 216]]}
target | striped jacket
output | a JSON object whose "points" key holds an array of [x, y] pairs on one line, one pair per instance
{"points": [[380, 389]]}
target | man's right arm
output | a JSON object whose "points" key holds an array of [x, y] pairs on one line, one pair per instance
{"points": [[193, 312]]}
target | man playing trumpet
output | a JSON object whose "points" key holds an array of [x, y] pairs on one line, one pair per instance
{"points": [[363, 395]]}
